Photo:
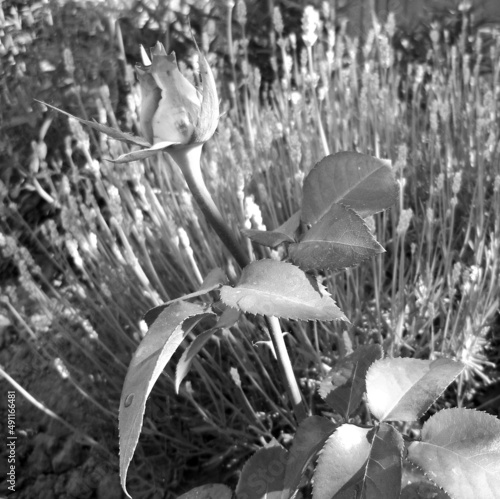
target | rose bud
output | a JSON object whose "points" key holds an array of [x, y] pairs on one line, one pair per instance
{"points": [[170, 106], [174, 114]]}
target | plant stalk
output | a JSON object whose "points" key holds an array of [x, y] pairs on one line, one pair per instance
{"points": [[189, 162], [286, 368]]}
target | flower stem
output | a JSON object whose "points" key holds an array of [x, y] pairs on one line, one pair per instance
{"points": [[286, 368], [188, 160]]}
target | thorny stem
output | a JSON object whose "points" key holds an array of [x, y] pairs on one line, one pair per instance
{"points": [[188, 160]]}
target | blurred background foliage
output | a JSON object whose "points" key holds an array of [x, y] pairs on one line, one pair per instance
{"points": [[87, 247]]}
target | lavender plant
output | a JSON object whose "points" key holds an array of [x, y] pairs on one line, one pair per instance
{"points": [[329, 233], [433, 293]]}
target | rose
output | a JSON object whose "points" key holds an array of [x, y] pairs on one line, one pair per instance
{"points": [[175, 116], [172, 109]]}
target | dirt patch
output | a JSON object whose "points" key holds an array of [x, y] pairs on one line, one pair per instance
{"points": [[52, 461]]}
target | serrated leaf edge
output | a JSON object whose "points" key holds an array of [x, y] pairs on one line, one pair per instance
{"points": [[419, 415], [364, 259], [426, 473], [386, 162], [401, 453], [343, 318], [428, 477], [318, 457]]}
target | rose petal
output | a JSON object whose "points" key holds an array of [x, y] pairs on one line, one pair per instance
{"points": [[150, 98], [209, 112], [168, 77], [172, 123], [179, 108]]}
